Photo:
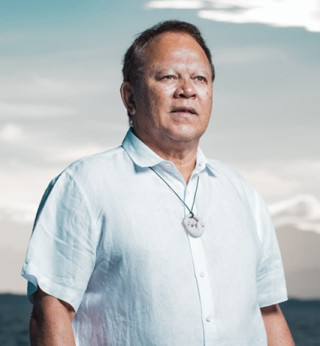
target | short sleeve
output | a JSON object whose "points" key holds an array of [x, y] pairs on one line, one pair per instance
{"points": [[271, 283], [62, 248]]}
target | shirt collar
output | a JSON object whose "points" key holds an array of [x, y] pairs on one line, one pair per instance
{"points": [[139, 153], [143, 156]]}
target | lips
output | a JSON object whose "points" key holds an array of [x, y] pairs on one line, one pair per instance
{"points": [[190, 110]]}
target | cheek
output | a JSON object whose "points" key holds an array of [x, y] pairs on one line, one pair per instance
{"points": [[208, 92], [208, 99], [159, 99]]}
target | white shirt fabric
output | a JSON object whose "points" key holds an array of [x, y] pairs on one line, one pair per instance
{"points": [[109, 240]]}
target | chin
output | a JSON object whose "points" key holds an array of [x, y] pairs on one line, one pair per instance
{"points": [[185, 136]]}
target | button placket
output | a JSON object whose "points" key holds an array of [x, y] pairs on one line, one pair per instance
{"points": [[203, 283], [200, 267]]}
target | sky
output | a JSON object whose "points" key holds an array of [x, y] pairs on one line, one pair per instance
{"points": [[60, 74]]}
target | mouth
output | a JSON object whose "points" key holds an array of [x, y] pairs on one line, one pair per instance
{"points": [[188, 110]]}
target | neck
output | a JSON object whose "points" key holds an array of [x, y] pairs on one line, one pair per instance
{"points": [[184, 162], [182, 154]]}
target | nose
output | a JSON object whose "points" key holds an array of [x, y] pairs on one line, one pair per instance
{"points": [[185, 89]]}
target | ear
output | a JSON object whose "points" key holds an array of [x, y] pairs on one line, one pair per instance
{"points": [[127, 95]]}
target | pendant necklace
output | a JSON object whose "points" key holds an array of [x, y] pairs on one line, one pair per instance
{"points": [[193, 225]]}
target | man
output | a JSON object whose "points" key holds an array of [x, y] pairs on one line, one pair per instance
{"points": [[150, 243]]}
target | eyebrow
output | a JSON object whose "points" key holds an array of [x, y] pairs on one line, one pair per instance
{"points": [[159, 70]]}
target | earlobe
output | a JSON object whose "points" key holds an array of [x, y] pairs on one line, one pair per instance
{"points": [[127, 95]]}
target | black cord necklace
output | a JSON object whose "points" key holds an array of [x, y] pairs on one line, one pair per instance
{"points": [[191, 223]]}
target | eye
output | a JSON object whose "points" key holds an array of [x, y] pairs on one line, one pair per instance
{"points": [[169, 77], [201, 78]]}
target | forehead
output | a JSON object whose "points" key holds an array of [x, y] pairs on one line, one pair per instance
{"points": [[171, 46]]}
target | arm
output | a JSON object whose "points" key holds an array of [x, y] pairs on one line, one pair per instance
{"points": [[51, 321], [278, 332]]}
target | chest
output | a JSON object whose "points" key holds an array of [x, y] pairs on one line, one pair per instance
{"points": [[141, 220]]}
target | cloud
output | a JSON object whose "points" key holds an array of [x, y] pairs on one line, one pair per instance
{"points": [[70, 155], [42, 96], [302, 211], [177, 4], [10, 133], [279, 13], [17, 212], [51, 88], [277, 179], [59, 88], [16, 220], [245, 55], [34, 110]]}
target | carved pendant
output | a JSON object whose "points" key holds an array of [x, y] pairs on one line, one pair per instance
{"points": [[193, 225]]}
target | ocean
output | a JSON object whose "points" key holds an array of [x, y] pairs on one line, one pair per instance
{"points": [[303, 318]]}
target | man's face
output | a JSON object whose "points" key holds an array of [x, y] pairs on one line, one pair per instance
{"points": [[173, 97]]}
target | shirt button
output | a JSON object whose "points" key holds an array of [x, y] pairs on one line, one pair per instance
{"points": [[202, 274], [208, 318], [168, 165]]}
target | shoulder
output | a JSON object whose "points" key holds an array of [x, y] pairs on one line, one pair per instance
{"points": [[97, 161], [252, 199], [92, 170], [84, 178], [225, 172], [230, 177]]}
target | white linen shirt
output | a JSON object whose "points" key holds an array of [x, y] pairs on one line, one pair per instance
{"points": [[109, 240]]}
